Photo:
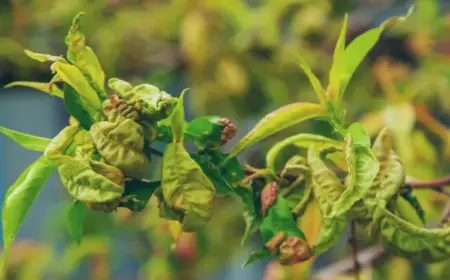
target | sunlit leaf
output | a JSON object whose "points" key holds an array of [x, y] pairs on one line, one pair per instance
{"points": [[44, 57], [81, 55], [27, 141], [339, 62], [359, 47], [278, 120], [303, 140], [73, 76], [21, 196], [52, 90], [75, 220], [177, 119]]}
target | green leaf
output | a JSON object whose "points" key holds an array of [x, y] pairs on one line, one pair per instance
{"points": [[338, 63], [357, 50], [44, 57], [410, 241], [82, 56], [278, 120], [52, 90], [204, 131], [359, 135], [177, 119], [315, 82], [30, 142], [279, 218], [303, 140], [75, 78], [327, 189], [75, 220], [256, 256], [391, 174], [139, 192], [185, 187], [75, 106], [362, 169], [21, 196], [119, 86], [84, 183]]}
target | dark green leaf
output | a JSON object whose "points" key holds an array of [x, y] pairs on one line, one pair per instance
{"points": [[279, 218], [27, 141], [20, 197], [139, 192], [75, 220], [75, 107], [204, 131]]}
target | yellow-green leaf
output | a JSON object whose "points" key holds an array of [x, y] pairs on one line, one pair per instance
{"points": [[52, 90], [75, 220], [338, 62], [27, 141], [278, 120], [303, 140], [44, 57], [177, 119], [81, 55], [73, 76], [359, 48], [315, 82], [20, 197]]}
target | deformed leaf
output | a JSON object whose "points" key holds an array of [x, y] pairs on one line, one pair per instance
{"points": [[185, 187], [204, 131], [75, 78], [84, 184], [278, 120], [303, 140], [52, 90], [410, 241], [327, 189], [27, 141], [20, 197], [81, 55], [362, 169], [75, 220], [390, 176], [119, 86], [44, 57]]}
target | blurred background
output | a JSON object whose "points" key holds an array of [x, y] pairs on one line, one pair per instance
{"points": [[237, 56]]}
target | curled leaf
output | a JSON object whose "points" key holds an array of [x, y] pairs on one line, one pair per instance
{"points": [[278, 120], [121, 144], [362, 169], [186, 188], [327, 189], [410, 241], [303, 140], [52, 90], [27, 141], [119, 86], [82, 56], [44, 57]]}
